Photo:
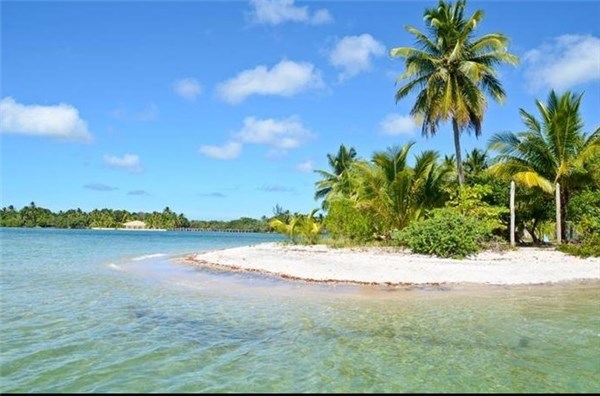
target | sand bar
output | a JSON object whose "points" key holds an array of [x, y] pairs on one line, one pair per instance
{"points": [[390, 266]]}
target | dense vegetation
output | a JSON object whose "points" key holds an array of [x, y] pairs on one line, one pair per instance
{"points": [[35, 216], [452, 207]]}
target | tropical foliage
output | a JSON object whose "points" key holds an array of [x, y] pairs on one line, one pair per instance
{"points": [[415, 200], [388, 192], [451, 71], [445, 234], [337, 177], [584, 209], [469, 201], [346, 221], [553, 149], [35, 216], [299, 228]]}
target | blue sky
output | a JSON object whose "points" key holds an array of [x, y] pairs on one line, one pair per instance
{"points": [[222, 109]]}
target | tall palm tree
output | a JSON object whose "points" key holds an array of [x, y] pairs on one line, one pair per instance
{"points": [[339, 164], [451, 72], [553, 149]]}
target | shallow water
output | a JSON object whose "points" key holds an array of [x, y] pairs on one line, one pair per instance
{"points": [[106, 311]]}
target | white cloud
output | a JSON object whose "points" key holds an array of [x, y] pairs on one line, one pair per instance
{"points": [[567, 61], [284, 134], [279, 135], [187, 88], [130, 162], [60, 121], [275, 12], [229, 150], [396, 124], [286, 78], [353, 54], [305, 167]]}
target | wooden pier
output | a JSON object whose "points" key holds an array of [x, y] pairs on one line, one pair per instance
{"points": [[215, 230]]}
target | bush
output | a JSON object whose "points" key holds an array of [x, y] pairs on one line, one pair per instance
{"points": [[584, 217], [470, 201], [345, 221], [446, 234], [299, 228], [589, 227]]}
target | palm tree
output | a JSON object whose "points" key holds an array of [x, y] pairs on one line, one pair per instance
{"points": [[395, 192], [476, 162], [553, 149], [339, 165], [451, 71]]}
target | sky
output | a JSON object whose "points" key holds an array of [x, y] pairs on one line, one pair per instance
{"points": [[223, 109]]}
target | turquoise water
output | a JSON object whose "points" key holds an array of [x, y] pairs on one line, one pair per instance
{"points": [[108, 311]]}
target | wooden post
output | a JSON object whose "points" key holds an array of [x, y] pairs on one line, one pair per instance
{"points": [[558, 220], [512, 213]]}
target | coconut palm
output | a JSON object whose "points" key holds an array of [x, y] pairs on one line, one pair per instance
{"points": [[452, 71], [553, 149], [476, 162], [339, 165], [396, 193]]}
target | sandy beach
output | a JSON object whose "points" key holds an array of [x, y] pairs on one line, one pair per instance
{"points": [[390, 266]]}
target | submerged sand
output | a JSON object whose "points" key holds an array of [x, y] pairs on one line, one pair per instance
{"points": [[397, 267]]}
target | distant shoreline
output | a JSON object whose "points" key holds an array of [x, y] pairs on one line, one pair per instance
{"points": [[394, 267], [126, 229]]}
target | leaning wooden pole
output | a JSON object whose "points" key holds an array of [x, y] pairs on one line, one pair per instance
{"points": [[558, 220], [512, 213]]}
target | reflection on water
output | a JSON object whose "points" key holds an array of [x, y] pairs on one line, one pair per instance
{"points": [[101, 322]]}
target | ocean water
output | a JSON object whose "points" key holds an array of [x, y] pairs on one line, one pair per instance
{"points": [[110, 311]]}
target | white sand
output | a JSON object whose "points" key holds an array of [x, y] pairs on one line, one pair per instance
{"points": [[392, 266]]}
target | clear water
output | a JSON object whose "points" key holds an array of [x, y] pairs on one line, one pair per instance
{"points": [[106, 311]]}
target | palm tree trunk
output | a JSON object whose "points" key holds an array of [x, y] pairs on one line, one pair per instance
{"points": [[459, 164], [564, 201]]}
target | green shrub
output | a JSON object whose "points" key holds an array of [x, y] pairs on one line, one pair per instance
{"points": [[584, 217], [470, 201], [589, 226], [445, 234], [345, 221], [299, 228]]}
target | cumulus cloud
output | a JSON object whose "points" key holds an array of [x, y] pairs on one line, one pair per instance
{"points": [[284, 134], [187, 88], [229, 150], [287, 78], [60, 121], [280, 135], [396, 124], [564, 62], [353, 54], [99, 187], [130, 162], [305, 167], [275, 12]]}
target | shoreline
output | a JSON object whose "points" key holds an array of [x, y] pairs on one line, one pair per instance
{"points": [[395, 267], [126, 229]]}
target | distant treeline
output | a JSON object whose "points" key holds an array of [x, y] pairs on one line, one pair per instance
{"points": [[35, 216]]}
